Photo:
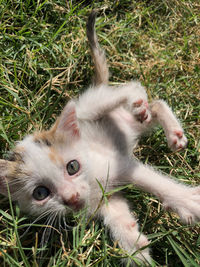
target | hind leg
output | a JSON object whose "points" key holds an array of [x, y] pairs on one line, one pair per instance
{"points": [[124, 229], [182, 199], [158, 112]]}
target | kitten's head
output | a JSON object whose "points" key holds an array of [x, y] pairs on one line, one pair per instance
{"points": [[46, 172]]}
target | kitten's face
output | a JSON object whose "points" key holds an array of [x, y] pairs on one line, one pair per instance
{"points": [[47, 172], [55, 177]]}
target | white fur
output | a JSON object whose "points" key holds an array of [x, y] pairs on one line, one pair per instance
{"points": [[104, 151], [99, 130]]}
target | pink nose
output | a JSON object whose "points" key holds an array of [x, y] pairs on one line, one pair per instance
{"points": [[73, 200]]}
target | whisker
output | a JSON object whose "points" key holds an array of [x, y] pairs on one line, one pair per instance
{"points": [[48, 229], [47, 232], [59, 221], [41, 216]]}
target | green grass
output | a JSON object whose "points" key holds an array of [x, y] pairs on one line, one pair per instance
{"points": [[45, 60]]}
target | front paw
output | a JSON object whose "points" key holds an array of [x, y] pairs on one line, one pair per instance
{"points": [[142, 254], [136, 244], [176, 139], [186, 204], [140, 110]]}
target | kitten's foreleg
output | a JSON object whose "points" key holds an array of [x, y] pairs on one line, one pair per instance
{"points": [[99, 101], [124, 229], [162, 113], [182, 199]]}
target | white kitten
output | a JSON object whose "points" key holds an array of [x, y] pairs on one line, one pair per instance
{"points": [[59, 170]]}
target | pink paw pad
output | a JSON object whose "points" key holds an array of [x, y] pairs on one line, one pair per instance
{"points": [[131, 225], [141, 111], [177, 140], [138, 103], [179, 133]]}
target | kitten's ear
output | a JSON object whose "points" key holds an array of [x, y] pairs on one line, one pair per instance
{"points": [[67, 122], [7, 171]]}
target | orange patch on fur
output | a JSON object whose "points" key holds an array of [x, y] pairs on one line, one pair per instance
{"points": [[43, 137], [55, 157], [50, 136]]}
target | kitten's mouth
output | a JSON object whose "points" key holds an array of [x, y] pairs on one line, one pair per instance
{"points": [[78, 206]]}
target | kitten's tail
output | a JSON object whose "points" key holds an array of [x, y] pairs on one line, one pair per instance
{"points": [[100, 64]]}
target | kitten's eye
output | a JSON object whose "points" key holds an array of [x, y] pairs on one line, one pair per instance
{"points": [[41, 192], [73, 167]]}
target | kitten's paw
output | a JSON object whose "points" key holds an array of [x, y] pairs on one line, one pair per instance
{"points": [[140, 110], [176, 139], [136, 244], [186, 204], [141, 255]]}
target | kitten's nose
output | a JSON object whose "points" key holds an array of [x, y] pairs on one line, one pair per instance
{"points": [[72, 201]]}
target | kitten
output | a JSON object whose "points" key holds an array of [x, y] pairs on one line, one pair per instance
{"points": [[59, 170]]}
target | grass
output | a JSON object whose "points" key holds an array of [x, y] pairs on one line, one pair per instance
{"points": [[45, 60]]}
